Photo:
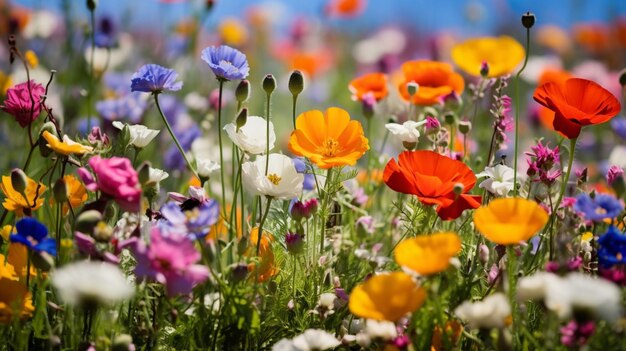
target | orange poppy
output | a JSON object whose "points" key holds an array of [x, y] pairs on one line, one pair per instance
{"points": [[433, 178], [374, 84], [558, 76], [435, 80], [266, 263], [594, 37], [330, 139], [345, 8], [578, 103]]}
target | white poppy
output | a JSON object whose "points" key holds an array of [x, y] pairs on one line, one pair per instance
{"points": [[575, 291], [140, 135], [310, 340], [492, 312], [384, 330], [282, 180], [406, 132], [89, 281], [500, 179], [251, 138]]}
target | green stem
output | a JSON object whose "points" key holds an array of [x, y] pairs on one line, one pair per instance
{"points": [[91, 72], [260, 233], [570, 163], [169, 129], [517, 103], [267, 134], [293, 111], [219, 137]]}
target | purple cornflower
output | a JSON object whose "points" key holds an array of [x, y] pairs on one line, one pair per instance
{"points": [[19, 105], [105, 33], [170, 260], [152, 78], [613, 174], [225, 62], [619, 126], [128, 107], [601, 207], [612, 248], [34, 235], [309, 179], [195, 221]]}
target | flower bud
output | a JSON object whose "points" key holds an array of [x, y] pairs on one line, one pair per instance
{"points": [[43, 261], [269, 84], [238, 272], [295, 243], [458, 188], [91, 4], [242, 92], [102, 232], [87, 220], [484, 69], [412, 88], [296, 83], [43, 144], [483, 253], [409, 145], [19, 180], [465, 127], [622, 78], [144, 172], [59, 190], [242, 245], [303, 210], [528, 20], [242, 118], [368, 104], [449, 118]]}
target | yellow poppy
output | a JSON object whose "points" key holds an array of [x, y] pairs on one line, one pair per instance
{"points": [[15, 201], [233, 32], [330, 139], [266, 264], [65, 147], [507, 221], [15, 301], [502, 54], [387, 297], [428, 254]]}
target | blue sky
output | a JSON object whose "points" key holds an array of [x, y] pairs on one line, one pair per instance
{"points": [[427, 15]]}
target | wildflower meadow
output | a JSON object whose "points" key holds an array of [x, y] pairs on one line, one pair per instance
{"points": [[312, 175]]}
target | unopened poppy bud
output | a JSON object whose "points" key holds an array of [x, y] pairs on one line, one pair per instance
{"points": [[242, 245], [483, 253], [239, 272], [449, 118], [528, 20], [296, 83], [43, 144], [122, 342], [465, 127], [92, 4], [303, 210], [412, 88], [484, 69], [368, 106], [19, 180], [622, 77], [144, 172], [242, 118], [87, 220], [269, 84], [242, 92], [458, 188], [59, 190], [409, 145]]}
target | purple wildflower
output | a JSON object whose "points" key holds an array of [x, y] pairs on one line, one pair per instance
{"points": [[152, 78], [225, 62], [602, 207]]}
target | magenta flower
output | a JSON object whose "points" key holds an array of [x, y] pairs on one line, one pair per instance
{"points": [[19, 105], [116, 178], [613, 174], [170, 261]]}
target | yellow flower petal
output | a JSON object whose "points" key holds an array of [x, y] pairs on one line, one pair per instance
{"points": [[428, 254], [507, 221], [502, 54]]}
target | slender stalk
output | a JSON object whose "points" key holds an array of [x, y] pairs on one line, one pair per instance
{"points": [[219, 138], [267, 133], [293, 110], [260, 233], [91, 72], [517, 103], [562, 193], [180, 148]]}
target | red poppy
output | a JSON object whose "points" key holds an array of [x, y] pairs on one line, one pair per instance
{"points": [[577, 103], [345, 8], [432, 178]]}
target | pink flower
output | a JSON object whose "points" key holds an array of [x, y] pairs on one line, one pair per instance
{"points": [[117, 178], [170, 261], [19, 105], [613, 174]]}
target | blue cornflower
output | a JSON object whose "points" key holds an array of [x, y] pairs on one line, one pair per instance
{"points": [[612, 248], [34, 235], [309, 179], [619, 126], [195, 221], [154, 79], [227, 63], [130, 106], [601, 207]]}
